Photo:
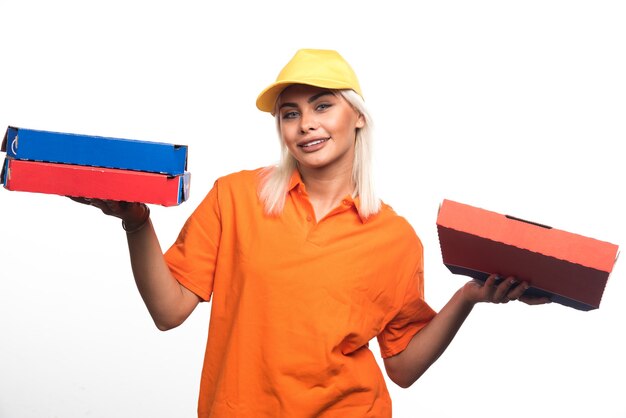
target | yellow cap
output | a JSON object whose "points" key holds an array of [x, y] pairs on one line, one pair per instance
{"points": [[314, 67]]}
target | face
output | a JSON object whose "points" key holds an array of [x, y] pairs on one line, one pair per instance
{"points": [[318, 127]]}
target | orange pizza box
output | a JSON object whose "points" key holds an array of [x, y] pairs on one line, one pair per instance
{"points": [[570, 269]]}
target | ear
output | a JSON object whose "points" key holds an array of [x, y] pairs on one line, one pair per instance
{"points": [[360, 122]]}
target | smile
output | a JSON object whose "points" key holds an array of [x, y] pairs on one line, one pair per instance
{"points": [[313, 143]]}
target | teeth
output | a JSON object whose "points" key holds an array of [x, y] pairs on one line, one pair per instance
{"points": [[310, 144]]}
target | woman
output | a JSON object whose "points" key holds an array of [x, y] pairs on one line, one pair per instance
{"points": [[303, 265]]}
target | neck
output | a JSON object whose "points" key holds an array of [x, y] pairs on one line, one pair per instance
{"points": [[326, 189]]}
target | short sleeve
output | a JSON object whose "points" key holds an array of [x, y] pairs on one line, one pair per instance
{"points": [[192, 257], [413, 314]]}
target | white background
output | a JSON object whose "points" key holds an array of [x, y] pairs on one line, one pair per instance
{"points": [[516, 107]]}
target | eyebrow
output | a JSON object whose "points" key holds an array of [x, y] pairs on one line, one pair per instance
{"points": [[310, 100]]}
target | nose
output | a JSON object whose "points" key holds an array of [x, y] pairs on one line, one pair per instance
{"points": [[308, 122]]}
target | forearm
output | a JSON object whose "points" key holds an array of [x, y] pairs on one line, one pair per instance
{"points": [[428, 344], [168, 302]]}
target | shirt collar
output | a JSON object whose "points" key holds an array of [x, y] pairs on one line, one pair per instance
{"points": [[296, 183]]}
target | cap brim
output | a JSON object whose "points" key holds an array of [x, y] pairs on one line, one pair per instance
{"points": [[266, 101]]}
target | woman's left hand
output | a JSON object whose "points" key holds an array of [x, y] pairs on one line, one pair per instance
{"points": [[495, 291]]}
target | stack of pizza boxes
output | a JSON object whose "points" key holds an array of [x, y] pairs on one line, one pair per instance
{"points": [[95, 167]]}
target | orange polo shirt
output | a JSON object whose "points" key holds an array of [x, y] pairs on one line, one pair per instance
{"points": [[295, 302]]}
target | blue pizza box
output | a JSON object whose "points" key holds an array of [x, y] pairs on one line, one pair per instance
{"points": [[96, 151]]}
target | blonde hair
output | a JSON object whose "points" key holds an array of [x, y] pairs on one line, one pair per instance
{"points": [[275, 179]]}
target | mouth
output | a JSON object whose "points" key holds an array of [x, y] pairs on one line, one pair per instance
{"points": [[312, 143]]}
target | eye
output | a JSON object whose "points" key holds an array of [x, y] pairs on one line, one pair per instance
{"points": [[290, 115], [323, 106]]}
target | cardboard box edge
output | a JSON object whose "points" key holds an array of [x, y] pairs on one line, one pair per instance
{"points": [[604, 243], [532, 290], [5, 139]]}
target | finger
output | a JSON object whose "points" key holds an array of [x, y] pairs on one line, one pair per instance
{"points": [[517, 291], [491, 280], [501, 295], [118, 208], [490, 286], [112, 206], [82, 200], [102, 205]]}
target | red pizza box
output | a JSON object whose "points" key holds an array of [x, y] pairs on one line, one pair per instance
{"points": [[569, 268], [95, 182]]}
